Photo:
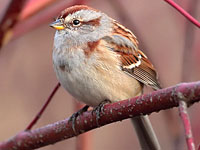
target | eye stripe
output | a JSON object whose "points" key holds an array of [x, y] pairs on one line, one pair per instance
{"points": [[94, 22]]}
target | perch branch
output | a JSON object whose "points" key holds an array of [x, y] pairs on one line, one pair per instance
{"points": [[142, 105]]}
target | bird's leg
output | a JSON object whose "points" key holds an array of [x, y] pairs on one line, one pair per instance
{"points": [[98, 109], [75, 115]]}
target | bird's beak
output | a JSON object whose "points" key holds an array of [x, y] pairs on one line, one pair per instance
{"points": [[58, 25]]}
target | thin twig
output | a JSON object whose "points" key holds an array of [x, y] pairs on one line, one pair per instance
{"points": [[142, 105], [186, 123], [184, 13], [37, 117]]}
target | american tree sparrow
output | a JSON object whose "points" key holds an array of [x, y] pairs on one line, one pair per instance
{"points": [[96, 58]]}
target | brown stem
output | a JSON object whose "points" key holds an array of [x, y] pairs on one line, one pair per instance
{"points": [[142, 105]]}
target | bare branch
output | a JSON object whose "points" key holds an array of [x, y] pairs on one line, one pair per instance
{"points": [[187, 126], [142, 105], [184, 13]]}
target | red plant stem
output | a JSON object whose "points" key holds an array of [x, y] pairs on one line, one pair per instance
{"points": [[183, 12], [9, 17], [37, 117], [142, 105], [186, 123]]}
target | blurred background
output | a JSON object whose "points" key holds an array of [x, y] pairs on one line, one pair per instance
{"points": [[27, 78]]}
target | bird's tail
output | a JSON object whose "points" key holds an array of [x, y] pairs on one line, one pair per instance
{"points": [[145, 133]]}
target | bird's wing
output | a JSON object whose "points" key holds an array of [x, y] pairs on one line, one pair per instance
{"points": [[133, 61]]}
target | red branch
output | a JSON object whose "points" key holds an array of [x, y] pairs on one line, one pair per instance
{"points": [[9, 18], [187, 126], [183, 12], [142, 105], [37, 117]]}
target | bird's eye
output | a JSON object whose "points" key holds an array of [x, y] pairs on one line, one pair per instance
{"points": [[76, 22]]}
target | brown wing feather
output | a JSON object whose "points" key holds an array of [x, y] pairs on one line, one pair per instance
{"points": [[144, 73], [134, 62]]}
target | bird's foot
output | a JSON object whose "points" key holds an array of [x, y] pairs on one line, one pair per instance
{"points": [[99, 109], [75, 115]]}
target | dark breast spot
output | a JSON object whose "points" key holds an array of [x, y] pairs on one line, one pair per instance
{"points": [[65, 68], [62, 67]]}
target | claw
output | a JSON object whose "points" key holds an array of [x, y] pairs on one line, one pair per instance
{"points": [[75, 115], [97, 110]]}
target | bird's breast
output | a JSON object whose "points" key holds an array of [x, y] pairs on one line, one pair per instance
{"points": [[94, 79]]}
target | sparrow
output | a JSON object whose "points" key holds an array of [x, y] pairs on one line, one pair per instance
{"points": [[96, 58]]}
